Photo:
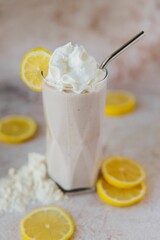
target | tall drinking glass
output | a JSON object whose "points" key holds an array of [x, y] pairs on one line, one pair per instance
{"points": [[74, 135]]}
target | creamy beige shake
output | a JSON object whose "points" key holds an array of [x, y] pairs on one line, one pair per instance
{"points": [[74, 99]]}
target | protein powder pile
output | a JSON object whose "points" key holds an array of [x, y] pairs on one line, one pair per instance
{"points": [[29, 184]]}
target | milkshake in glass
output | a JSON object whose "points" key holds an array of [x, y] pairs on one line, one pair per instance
{"points": [[74, 93]]}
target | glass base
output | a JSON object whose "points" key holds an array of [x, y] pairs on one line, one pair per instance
{"points": [[77, 191]]}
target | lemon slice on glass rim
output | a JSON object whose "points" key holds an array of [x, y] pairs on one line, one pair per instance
{"points": [[32, 64]]}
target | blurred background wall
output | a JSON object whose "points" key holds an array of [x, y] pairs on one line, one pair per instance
{"points": [[101, 26]]}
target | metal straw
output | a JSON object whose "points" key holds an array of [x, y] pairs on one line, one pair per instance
{"points": [[121, 49]]}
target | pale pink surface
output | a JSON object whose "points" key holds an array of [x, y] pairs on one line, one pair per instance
{"points": [[101, 26]]}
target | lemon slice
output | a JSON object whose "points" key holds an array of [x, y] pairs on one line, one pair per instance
{"points": [[32, 63], [16, 129], [47, 223], [122, 172], [118, 102], [120, 197]]}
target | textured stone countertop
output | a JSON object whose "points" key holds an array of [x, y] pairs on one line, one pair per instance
{"points": [[136, 135], [100, 26]]}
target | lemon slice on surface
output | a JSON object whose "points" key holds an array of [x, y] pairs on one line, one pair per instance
{"points": [[122, 172], [120, 197], [119, 102], [32, 63], [16, 129], [47, 223]]}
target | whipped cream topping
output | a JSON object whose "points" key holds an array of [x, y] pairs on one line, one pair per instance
{"points": [[72, 69]]}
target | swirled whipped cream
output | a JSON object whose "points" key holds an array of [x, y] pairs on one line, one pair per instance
{"points": [[72, 69]]}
